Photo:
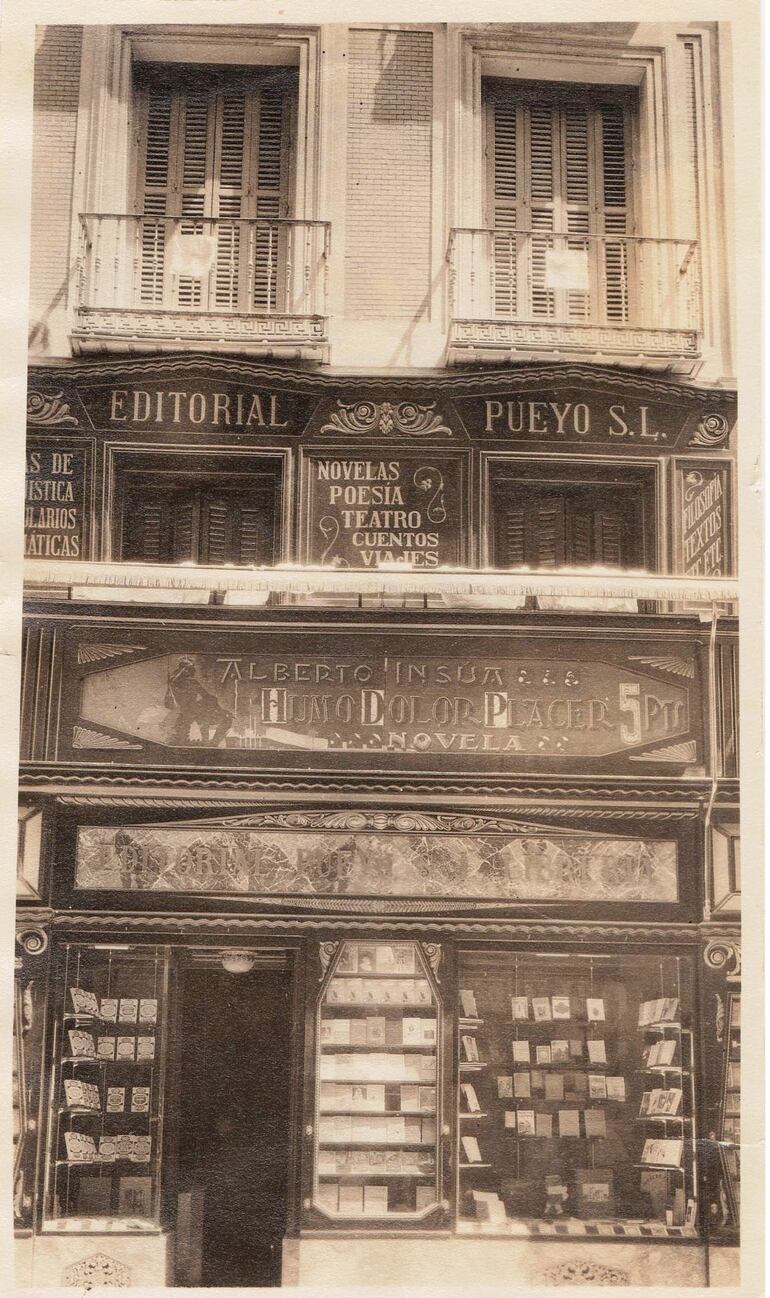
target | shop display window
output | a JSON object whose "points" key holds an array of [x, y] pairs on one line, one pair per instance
{"points": [[106, 1090], [377, 1085], [575, 1095]]}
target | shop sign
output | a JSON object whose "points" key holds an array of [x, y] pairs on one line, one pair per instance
{"points": [[375, 508], [236, 858], [361, 698], [54, 509], [193, 403], [704, 533], [584, 417]]}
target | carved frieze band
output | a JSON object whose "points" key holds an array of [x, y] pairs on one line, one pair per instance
{"points": [[513, 930], [543, 814]]}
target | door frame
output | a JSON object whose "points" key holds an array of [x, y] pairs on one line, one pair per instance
{"points": [[291, 955]]}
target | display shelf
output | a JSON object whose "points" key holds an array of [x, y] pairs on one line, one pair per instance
{"points": [[370, 1175], [86, 1179], [564, 1145], [377, 1003]]}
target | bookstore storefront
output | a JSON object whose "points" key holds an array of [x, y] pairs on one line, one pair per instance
{"points": [[394, 1009]]}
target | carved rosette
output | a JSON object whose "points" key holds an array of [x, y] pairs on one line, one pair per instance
{"points": [[580, 1272], [723, 954]]}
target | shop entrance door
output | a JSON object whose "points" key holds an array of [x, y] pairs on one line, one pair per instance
{"points": [[232, 1138]]}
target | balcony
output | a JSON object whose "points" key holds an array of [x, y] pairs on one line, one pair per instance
{"points": [[246, 286], [610, 299]]}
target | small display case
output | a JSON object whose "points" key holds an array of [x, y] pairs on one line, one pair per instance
{"points": [[377, 1086], [106, 1104], [575, 1100]]}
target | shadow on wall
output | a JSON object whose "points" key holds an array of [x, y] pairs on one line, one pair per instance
{"points": [[55, 103], [397, 56]]}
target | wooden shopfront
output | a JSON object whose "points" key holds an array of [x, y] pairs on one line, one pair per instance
{"points": [[372, 929], [376, 934]]}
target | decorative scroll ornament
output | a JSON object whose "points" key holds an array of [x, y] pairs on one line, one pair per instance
{"points": [[48, 411], [94, 653], [32, 938], [326, 953], [724, 955], [430, 479], [96, 1271], [683, 753], [711, 431], [329, 528], [406, 417], [582, 1273], [677, 666], [84, 738], [383, 821], [432, 952], [694, 481]]}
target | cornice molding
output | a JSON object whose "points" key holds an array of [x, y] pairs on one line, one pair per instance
{"points": [[474, 926], [35, 780], [510, 378]]}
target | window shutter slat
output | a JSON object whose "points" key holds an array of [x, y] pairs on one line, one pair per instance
{"points": [[609, 538], [183, 529], [549, 532], [505, 250], [512, 537]]}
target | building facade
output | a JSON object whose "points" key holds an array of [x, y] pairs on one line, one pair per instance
{"points": [[379, 870]]}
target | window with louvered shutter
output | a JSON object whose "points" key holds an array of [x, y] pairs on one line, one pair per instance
{"points": [[215, 163], [541, 525], [559, 182], [205, 524]]}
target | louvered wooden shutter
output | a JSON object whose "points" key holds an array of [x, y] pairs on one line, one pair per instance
{"points": [[145, 527], [510, 542], [214, 156], [548, 532], [235, 527], [559, 175], [184, 527], [272, 155], [505, 186], [545, 528]]}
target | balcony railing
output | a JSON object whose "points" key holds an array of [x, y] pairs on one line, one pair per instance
{"points": [[516, 295], [237, 284]]}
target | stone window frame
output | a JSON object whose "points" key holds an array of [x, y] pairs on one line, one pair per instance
{"points": [[655, 65], [104, 175]]}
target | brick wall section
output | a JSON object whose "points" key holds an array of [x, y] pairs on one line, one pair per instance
{"points": [[55, 105], [390, 112]]}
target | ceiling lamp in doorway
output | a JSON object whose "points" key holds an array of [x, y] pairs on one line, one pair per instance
{"points": [[238, 962]]}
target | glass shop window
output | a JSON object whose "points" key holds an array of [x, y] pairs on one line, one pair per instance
{"points": [[576, 1096]]}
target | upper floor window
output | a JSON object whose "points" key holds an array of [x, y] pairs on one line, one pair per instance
{"points": [[559, 201], [213, 179]]}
